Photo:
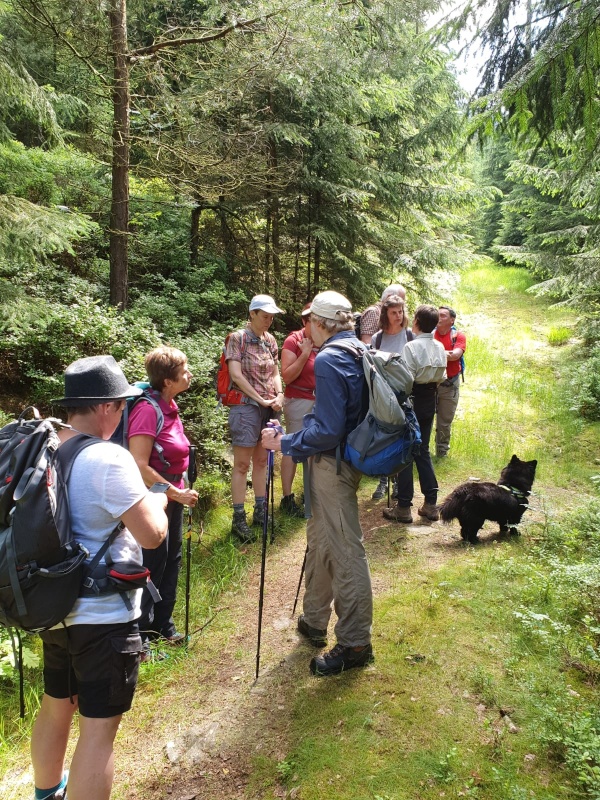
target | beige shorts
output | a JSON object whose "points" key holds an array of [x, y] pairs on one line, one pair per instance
{"points": [[294, 411]]}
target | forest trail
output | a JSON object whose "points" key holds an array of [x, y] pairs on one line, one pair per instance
{"points": [[210, 730], [201, 727]]}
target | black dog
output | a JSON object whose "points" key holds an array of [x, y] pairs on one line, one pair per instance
{"points": [[503, 502]]}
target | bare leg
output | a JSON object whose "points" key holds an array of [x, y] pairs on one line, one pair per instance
{"points": [[49, 739], [259, 470], [288, 473], [92, 767], [241, 464]]}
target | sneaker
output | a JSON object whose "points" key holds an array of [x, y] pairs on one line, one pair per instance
{"points": [[398, 514], [381, 489], [149, 655], [289, 506], [429, 511], [341, 658], [316, 636], [240, 529], [176, 639]]}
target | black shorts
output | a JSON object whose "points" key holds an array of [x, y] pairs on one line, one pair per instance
{"points": [[98, 663]]}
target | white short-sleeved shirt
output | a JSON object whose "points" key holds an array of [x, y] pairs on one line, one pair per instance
{"points": [[105, 482]]}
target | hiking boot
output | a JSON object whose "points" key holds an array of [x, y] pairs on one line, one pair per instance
{"points": [[258, 517], [429, 511], [316, 636], [240, 529], [398, 514], [381, 489], [341, 658], [289, 506]]}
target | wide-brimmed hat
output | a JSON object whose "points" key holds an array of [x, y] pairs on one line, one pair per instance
{"points": [[330, 305], [97, 379], [264, 302]]}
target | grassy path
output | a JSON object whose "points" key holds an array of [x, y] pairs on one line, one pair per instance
{"points": [[485, 668]]}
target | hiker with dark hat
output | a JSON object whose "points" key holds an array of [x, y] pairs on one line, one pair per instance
{"points": [[252, 359], [336, 563], [163, 457], [91, 660], [298, 372]]}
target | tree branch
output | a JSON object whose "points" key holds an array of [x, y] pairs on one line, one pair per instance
{"points": [[145, 52]]}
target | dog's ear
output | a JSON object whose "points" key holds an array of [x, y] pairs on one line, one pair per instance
{"points": [[513, 459]]}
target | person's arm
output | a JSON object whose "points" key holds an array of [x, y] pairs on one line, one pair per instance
{"points": [[147, 521], [235, 370], [292, 364], [140, 448], [277, 404], [458, 348]]}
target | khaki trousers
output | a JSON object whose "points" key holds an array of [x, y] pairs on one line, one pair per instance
{"points": [[336, 562], [447, 401]]}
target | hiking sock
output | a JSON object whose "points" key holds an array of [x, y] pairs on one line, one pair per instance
{"points": [[259, 503], [238, 509], [46, 794]]}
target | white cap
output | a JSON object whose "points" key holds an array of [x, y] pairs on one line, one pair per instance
{"points": [[330, 304], [263, 302]]}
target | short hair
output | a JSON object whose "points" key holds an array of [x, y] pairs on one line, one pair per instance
{"points": [[82, 410], [427, 318], [162, 364], [393, 301], [345, 322], [450, 310], [394, 288]]}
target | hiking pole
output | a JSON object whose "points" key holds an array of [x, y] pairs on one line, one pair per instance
{"points": [[300, 582], [265, 534], [191, 479]]}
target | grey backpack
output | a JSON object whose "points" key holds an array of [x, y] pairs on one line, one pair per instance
{"points": [[386, 439]]}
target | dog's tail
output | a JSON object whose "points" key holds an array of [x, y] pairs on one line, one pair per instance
{"points": [[451, 506]]}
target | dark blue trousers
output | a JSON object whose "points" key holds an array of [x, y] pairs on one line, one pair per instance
{"points": [[164, 564], [424, 406]]}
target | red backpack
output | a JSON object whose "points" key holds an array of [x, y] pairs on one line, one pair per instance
{"points": [[226, 394]]}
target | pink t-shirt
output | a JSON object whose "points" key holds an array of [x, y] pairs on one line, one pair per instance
{"points": [[175, 444]]}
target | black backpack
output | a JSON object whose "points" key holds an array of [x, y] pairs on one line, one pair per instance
{"points": [[41, 565]]}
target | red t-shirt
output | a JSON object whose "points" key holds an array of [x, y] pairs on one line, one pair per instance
{"points": [[306, 379], [453, 367]]}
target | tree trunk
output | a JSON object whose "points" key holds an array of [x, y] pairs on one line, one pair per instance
{"points": [[195, 233], [317, 251], [267, 254], [119, 210]]}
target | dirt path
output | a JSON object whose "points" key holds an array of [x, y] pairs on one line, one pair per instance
{"points": [[206, 733]]}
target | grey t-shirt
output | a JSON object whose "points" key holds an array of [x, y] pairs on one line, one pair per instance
{"points": [[391, 343]]}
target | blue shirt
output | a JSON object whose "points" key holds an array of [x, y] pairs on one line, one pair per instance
{"points": [[338, 408]]}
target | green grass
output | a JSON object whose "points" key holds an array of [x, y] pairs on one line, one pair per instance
{"points": [[487, 659]]}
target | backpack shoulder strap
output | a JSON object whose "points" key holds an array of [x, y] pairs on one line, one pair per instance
{"points": [[69, 450], [409, 335], [378, 339]]}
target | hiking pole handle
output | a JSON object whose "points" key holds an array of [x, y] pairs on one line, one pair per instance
{"points": [[192, 469]]}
